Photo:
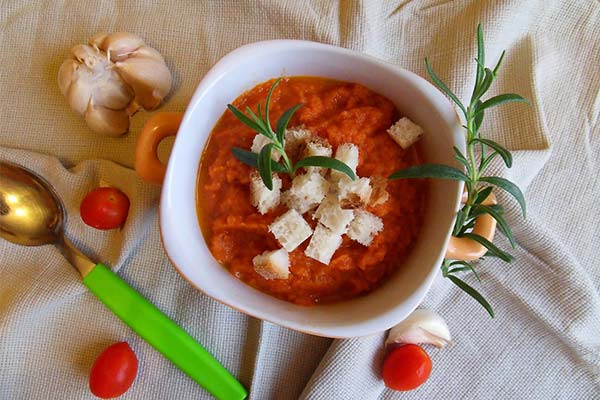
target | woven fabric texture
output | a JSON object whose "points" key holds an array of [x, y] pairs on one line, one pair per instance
{"points": [[544, 342]]}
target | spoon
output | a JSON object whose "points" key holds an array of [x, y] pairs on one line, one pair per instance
{"points": [[31, 214]]}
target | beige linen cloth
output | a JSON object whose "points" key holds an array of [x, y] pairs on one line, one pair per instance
{"points": [[544, 342]]}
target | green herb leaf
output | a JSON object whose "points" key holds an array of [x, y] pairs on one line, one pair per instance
{"points": [[245, 119], [251, 159], [509, 187], [325, 162], [478, 120], [467, 266], [480, 56], [461, 157], [461, 217], [268, 104], [490, 246], [283, 122], [502, 224], [500, 99], [483, 194], [264, 165], [473, 293], [442, 86], [497, 67], [505, 154], [484, 87], [439, 171]]}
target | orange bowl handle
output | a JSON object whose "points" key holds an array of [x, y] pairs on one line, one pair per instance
{"points": [[466, 249], [159, 126]]}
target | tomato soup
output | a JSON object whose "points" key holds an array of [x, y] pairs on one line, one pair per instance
{"points": [[236, 232]]}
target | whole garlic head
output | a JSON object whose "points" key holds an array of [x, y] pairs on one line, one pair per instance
{"points": [[107, 80]]}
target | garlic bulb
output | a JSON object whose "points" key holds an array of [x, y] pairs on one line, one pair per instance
{"points": [[106, 80], [422, 326]]}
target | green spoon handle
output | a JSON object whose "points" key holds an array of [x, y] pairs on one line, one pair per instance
{"points": [[163, 334]]}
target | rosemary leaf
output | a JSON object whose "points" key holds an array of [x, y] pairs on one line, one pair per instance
{"points": [[283, 122], [502, 152], [245, 120], [442, 86], [473, 293], [264, 165], [502, 224], [326, 162], [497, 67], [483, 194], [492, 248], [498, 100], [439, 171], [467, 266], [251, 159], [508, 186]]}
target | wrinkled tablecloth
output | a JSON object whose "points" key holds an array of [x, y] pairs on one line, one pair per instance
{"points": [[544, 342]]}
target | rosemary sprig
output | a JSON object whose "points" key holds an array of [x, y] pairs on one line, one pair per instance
{"points": [[477, 183], [263, 161]]}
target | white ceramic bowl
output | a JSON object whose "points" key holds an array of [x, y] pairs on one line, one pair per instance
{"points": [[241, 70]]}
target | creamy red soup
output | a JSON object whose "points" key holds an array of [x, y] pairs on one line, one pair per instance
{"points": [[235, 231]]}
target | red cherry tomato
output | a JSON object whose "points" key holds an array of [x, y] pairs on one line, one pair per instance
{"points": [[113, 371], [104, 208], [406, 367]]}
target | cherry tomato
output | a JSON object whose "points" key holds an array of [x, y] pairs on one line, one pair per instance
{"points": [[113, 371], [406, 367], [104, 208]]}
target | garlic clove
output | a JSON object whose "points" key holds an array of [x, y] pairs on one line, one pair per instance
{"points": [[150, 80], [97, 39], [105, 121], [421, 327], [88, 55], [121, 44], [80, 92], [148, 52], [110, 91], [65, 75]]}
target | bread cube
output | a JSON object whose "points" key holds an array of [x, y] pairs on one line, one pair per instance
{"points": [[261, 141], [354, 193], [261, 197], [379, 194], [323, 244], [306, 192], [364, 227], [317, 146], [330, 214], [295, 140], [405, 132], [290, 230], [348, 154], [272, 264]]}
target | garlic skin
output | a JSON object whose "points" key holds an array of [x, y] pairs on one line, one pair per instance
{"points": [[108, 79], [421, 327]]}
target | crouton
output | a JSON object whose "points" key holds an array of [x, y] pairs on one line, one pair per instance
{"points": [[272, 264], [364, 227], [317, 146], [405, 132], [261, 141], [348, 154], [323, 244], [262, 198], [378, 195], [306, 192], [330, 214], [290, 230], [354, 193], [295, 140]]}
